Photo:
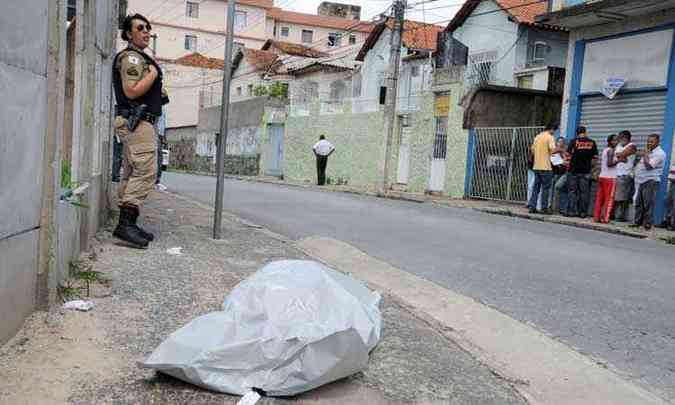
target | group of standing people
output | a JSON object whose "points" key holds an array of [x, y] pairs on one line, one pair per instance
{"points": [[625, 175]]}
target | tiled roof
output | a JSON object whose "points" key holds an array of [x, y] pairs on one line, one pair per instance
{"points": [[292, 49], [416, 35], [522, 11], [319, 20], [200, 61], [258, 58]]}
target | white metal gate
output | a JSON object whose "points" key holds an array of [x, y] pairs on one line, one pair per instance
{"points": [[640, 113], [500, 158], [438, 163]]}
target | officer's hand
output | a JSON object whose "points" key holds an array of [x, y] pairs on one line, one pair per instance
{"points": [[153, 70]]}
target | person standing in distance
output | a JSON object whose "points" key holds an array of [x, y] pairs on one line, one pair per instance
{"points": [[583, 151], [543, 147], [322, 150], [137, 81], [648, 180]]}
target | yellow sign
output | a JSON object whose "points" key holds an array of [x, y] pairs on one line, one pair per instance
{"points": [[442, 105]]}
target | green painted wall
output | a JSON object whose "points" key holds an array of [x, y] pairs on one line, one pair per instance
{"points": [[359, 140]]}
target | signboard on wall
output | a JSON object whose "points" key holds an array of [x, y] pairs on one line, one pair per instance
{"points": [[612, 86], [442, 105]]}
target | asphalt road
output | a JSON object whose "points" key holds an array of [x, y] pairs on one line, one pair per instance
{"points": [[610, 297]]}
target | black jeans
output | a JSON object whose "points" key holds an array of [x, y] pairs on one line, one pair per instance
{"points": [[321, 163], [579, 193], [644, 205]]}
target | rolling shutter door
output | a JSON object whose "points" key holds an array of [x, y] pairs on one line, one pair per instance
{"points": [[641, 113]]}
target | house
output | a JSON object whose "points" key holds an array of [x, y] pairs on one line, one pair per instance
{"points": [[343, 98], [628, 44], [507, 47], [185, 28]]}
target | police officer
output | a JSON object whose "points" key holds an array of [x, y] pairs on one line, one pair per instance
{"points": [[137, 80]]}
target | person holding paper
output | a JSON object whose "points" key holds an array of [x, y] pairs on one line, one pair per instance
{"points": [[604, 198]]}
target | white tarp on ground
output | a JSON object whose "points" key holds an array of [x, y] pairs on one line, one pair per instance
{"points": [[291, 327]]}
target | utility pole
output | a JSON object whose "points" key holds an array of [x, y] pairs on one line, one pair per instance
{"points": [[224, 118], [392, 87]]}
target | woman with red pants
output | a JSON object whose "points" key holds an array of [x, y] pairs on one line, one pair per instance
{"points": [[604, 199]]}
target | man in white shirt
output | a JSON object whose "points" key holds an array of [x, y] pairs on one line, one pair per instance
{"points": [[322, 150], [647, 179]]}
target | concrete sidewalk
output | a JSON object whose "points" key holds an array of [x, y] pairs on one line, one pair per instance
{"points": [[90, 358], [490, 207]]}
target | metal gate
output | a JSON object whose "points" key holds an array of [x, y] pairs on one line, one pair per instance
{"points": [[500, 159], [641, 113], [274, 152]]}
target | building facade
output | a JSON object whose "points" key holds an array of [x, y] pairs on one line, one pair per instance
{"points": [[625, 42], [506, 46]]}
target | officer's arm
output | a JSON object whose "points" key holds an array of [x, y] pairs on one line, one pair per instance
{"points": [[135, 89], [136, 80]]}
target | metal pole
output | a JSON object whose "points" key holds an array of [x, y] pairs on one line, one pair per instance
{"points": [[224, 117], [392, 87]]}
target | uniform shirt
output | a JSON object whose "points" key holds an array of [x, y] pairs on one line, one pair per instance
{"points": [[583, 150], [671, 175], [323, 147], [132, 66], [624, 168], [605, 170], [542, 147], [657, 159]]}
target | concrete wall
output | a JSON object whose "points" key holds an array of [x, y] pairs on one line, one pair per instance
{"points": [[188, 87], [495, 106], [38, 234], [598, 31]]}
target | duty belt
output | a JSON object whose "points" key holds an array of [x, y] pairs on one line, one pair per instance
{"points": [[125, 112]]}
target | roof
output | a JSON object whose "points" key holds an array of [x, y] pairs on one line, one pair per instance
{"points": [[257, 3], [416, 36], [329, 63], [522, 12], [200, 61], [260, 59], [319, 20], [292, 49]]}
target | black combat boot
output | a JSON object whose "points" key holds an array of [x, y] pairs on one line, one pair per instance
{"points": [[147, 235], [127, 232]]}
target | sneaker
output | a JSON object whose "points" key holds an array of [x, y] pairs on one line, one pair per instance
{"points": [[546, 211], [532, 211], [160, 187]]}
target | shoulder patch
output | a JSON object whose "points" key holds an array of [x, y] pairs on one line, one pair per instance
{"points": [[134, 60]]}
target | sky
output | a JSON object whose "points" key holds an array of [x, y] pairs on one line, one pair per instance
{"points": [[436, 11]]}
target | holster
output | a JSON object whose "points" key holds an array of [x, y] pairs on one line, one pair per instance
{"points": [[136, 113]]}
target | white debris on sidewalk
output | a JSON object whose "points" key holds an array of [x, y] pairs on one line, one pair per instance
{"points": [[176, 251], [79, 305], [250, 398]]}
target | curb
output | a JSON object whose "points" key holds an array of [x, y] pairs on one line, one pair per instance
{"points": [[553, 220]]}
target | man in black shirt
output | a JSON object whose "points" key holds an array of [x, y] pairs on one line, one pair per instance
{"points": [[582, 151]]}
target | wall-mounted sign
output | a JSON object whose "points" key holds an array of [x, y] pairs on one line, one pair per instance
{"points": [[442, 104], [612, 86]]}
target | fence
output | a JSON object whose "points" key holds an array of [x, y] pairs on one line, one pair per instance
{"points": [[500, 160]]}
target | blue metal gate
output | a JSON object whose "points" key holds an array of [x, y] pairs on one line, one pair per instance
{"points": [[274, 154]]}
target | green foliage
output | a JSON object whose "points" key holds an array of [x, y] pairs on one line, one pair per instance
{"points": [[66, 179], [260, 90], [276, 90]]}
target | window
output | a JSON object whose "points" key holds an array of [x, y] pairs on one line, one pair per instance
{"points": [[539, 52], [525, 82], [239, 91], [334, 39], [352, 39], [239, 20], [338, 91], [191, 43], [192, 9], [307, 36], [250, 89], [285, 31]]}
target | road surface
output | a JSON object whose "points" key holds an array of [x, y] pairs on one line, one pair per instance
{"points": [[610, 297]]}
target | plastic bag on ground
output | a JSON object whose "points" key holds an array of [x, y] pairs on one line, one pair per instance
{"points": [[289, 328]]}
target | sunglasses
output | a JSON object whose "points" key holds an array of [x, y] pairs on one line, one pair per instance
{"points": [[143, 27]]}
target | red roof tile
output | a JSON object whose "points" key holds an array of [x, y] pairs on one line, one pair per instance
{"points": [[319, 20], [292, 49], [416, 35], [522, 11], [258, 58], [200, 61]]}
